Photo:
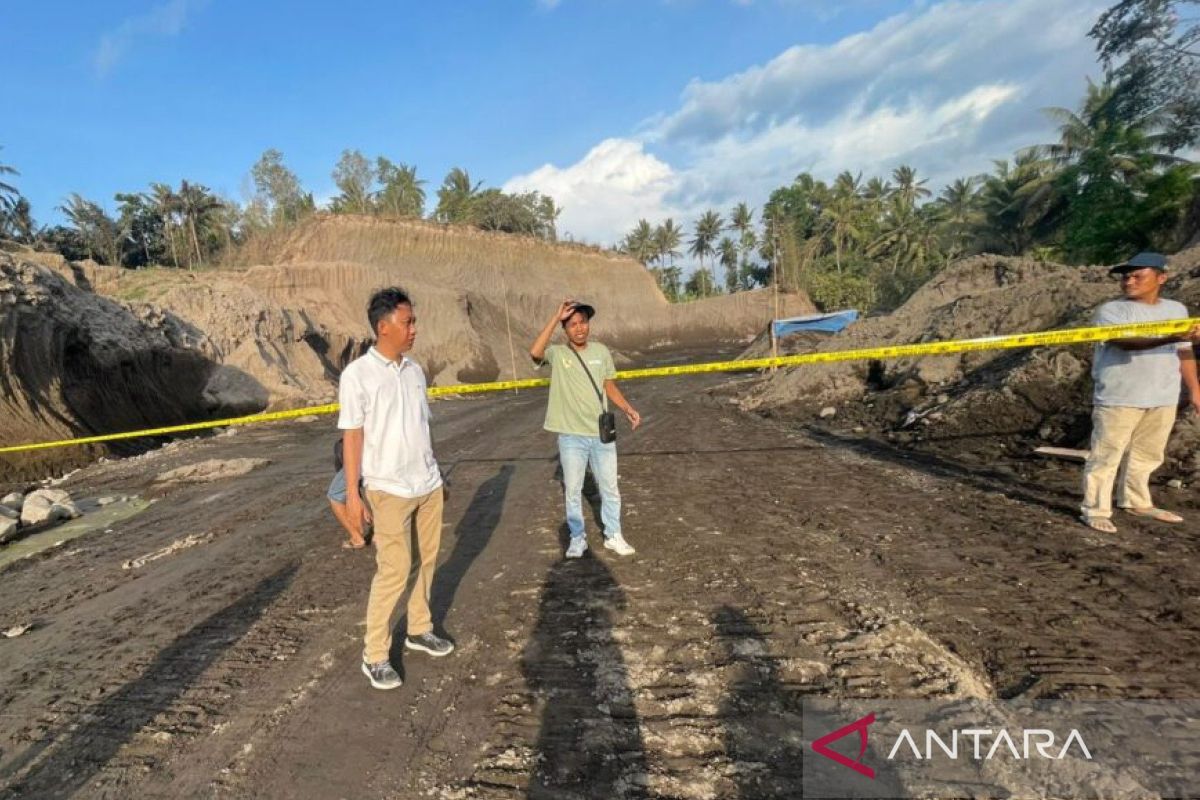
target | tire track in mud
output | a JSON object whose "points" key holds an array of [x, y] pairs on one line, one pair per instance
{"points": [[772, 565]]}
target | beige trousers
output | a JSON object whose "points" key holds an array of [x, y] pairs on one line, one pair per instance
{"points": [[1127, 445], [393, 563]]}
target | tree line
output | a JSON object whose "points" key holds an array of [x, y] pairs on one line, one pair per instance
{"points": [[189, 225], [1112, 184]]}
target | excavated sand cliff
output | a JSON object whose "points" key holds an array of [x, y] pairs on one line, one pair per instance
{"points": [[95, 349]]}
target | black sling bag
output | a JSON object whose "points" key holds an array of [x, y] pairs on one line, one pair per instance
{"points": [[608, 420]]}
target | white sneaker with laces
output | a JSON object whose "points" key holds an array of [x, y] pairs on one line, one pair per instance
{"points": [[619, 546], [577, 547]]}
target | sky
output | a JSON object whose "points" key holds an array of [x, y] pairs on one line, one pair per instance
{"points": [[619, 109]]}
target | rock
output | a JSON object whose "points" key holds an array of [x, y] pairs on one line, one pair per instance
{"points": [[943, 399], [53, 495], [1175, 483], [18, 630], [13, 500], [108, 501], [41, 508], [828, 411], [8, 513], [8, 527], [212, 470]]}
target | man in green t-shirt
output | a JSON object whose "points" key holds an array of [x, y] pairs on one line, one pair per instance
{"points": [[579, 371]]}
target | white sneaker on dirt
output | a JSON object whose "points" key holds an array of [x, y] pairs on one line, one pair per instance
{"points": [[577, 547], [619, 546]]}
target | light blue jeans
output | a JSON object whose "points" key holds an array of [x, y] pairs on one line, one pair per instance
{"points": [[575, 453]]}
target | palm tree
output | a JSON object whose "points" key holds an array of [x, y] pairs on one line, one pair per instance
{"points": [[455, 196], [960, 213], [100, 233], [842, 214], [667, 239], [742, 221], [196, 205], [908, 188], [727, 252], [401, 193], [8, 192], [901, 237], [167, 205], [708, 228], [1019, 202], [639, 243]]}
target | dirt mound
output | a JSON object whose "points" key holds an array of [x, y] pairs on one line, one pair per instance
{"points": [[977, 405], [75, 364]]}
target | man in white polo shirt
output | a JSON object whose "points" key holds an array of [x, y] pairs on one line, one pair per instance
{"points": [[385, 423]]}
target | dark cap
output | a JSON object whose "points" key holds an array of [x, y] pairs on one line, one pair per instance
{"points": [[1141, 261], [587, 310]]}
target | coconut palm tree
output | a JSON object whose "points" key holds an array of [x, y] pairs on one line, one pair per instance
{"points": [[727, 254], [401, 192], [639, 243], [960, 214], [455, 196], [908, 188], [842, 214], [708, 228], [167, 205], [196, 207], [8, 192]]}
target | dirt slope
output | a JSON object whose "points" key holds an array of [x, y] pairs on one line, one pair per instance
{"points": [[74, 363], [978, 404]]}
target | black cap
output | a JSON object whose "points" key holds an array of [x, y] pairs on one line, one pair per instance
{"points": [[1142, 261], [588, 311]]}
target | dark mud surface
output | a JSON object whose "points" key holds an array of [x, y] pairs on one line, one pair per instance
{"points": [[773, 563]]}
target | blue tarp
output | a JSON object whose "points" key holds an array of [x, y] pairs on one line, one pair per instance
{"points": [[822, 323]]}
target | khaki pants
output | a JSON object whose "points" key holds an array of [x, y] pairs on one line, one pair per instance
{"points": [[1128, 441], [393, 562]]}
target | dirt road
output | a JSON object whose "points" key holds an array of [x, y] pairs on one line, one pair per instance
{"points": [[772, 564]]}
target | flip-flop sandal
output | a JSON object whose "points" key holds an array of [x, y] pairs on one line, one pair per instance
{"points": [[1156, 514], [1102, 524], [353, 546]]}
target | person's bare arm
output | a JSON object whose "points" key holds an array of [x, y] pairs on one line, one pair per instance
{"points": [[1145, 343], [352, 450], [538, 350], [618, 399], [1191, 376]]}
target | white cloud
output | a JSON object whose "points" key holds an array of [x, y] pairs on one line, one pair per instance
{"points": [[166, 19], [606, 191], [946, 87]]}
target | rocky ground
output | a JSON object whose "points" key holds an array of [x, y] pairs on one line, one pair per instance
{"points": [[209, 646]]}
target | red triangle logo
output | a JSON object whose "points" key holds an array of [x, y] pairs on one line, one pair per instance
{"points": [[822, 745]]}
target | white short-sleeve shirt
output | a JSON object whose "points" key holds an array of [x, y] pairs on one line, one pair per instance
{"points": [[1137, 378], [387, 400]]}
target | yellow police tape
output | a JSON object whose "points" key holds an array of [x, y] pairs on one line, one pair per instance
{"points": [[1043, 339]]}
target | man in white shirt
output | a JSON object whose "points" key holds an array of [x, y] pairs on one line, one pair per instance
{"points": [[385, 422], [1136, 395]]}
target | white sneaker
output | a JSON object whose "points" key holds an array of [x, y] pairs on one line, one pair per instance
{"points": [[577, 547], [619, 546]]}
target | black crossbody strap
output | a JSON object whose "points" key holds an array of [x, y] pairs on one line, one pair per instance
{"points": [[586, 371]]}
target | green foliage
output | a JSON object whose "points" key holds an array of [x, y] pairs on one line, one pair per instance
{"points": [[401, 192], [1152, 51], [278, 192], [832, 291]]}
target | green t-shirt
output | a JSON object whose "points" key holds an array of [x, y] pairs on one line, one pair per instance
{"points": [[573, 406]]}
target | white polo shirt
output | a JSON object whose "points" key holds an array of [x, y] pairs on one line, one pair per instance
{"points": [[387, 400]]}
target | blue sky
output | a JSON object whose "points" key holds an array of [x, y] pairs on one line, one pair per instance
{"points": [[618, 108]]}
